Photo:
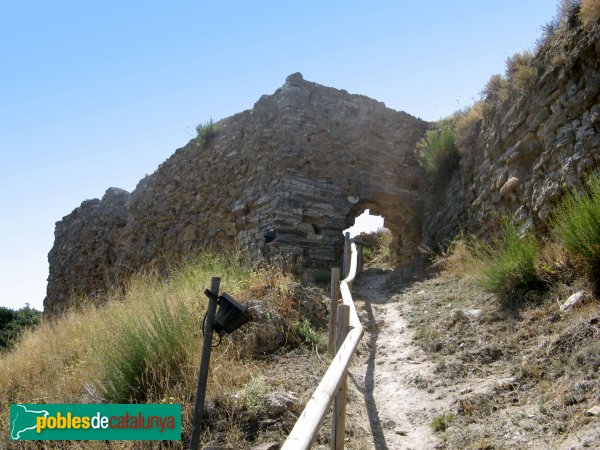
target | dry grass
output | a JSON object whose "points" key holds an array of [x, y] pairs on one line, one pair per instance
{"points": [[456, 261], [535, 372], [524, 78], [377, 252], [77, 357], [496, 89], [589, 12], [520, 71], [467, 127]]}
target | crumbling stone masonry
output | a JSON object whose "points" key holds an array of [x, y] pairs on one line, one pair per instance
{"points": [[304, 162]]}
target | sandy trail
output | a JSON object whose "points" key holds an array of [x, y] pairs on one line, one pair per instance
{"points": [[398, 413]]}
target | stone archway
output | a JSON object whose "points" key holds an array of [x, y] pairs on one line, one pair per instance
{"points": [[402, 216], [302, 162]]}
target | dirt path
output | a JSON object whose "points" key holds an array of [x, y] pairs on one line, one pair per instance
{"points": [[387, 373], [494, 377]]}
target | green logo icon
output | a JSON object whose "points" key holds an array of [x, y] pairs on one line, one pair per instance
{"points": [[24, 420]]}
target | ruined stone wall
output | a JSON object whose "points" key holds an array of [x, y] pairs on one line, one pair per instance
{"points": [[308, 159], [304, 162], [528, 149]]}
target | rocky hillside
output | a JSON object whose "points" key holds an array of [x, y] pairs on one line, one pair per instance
{"points": [[302, 163], [520, 152]]}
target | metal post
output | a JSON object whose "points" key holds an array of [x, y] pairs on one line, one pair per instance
{"points": [[346, 254], [204, 362], [335, 298]]}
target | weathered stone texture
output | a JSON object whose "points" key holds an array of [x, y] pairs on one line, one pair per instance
{"points": [[304, 162], [308, 159], [526, 151], [86, 247]]}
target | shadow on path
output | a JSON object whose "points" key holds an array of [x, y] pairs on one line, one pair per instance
{"points": [[369, 385]]}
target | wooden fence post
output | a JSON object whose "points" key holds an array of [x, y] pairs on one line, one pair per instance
{"points": [[335, 297], [347, 254], [359, 258], [338, 417]]}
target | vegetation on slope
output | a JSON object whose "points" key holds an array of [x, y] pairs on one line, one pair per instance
{"points": [[14, 322], [454, 136], [520, 262], [205, 132], [437, 150], [576, 225], [536, 363], [507, 264], [517, 377], [144, 345], [377, 251]]}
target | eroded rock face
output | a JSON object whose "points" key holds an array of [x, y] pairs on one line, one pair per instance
{"points": [[528, 150], [86, 247], [303, 162]]}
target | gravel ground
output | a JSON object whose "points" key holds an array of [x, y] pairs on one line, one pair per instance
{"points": [[439, 353]]}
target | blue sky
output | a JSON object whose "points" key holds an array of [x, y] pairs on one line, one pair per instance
{"points": [[97, 94]]}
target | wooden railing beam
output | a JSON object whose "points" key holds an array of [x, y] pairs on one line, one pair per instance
{"points": [[307, 426]]}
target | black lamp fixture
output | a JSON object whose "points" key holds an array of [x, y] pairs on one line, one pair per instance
{"points": [[230, 315]]}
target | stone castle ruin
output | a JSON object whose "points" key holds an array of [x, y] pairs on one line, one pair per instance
{"points": [[300, 165], [304, 162]]}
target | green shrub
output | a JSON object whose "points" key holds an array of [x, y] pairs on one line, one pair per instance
{"points": [[442, 422], [255, 396], [309, 336], [576, 223], [508, 263], [437, 150], [14, 322], [520, 71], [205, 132]]}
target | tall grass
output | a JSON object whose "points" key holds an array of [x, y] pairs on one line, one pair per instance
{"points": [[152, 336], [205, 132], [142, 345], [508, 263], [576, 223], [154, 330], [437, 150]]}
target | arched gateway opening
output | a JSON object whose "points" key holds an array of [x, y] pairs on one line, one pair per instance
{"points": [[398, 214], [370, 229]]}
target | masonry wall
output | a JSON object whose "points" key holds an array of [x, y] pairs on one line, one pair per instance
{"points": [[303, 162]]}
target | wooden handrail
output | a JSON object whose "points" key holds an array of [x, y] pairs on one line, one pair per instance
{"points": [[307, 426]]}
